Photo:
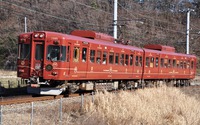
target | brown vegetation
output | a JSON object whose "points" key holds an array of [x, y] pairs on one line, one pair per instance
{"points": [[152, 106], [166, 106]]}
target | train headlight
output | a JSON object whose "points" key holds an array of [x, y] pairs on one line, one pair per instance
{"points": [[41, 35], [49, 67], [36, 35]]}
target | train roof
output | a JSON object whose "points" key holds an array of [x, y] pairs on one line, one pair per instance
{"points": [[156, 48], [102, 42], [95, 41], [148, 48], [160, 47], [92, 35], [168, 53]]}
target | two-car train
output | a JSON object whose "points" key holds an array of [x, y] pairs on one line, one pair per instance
{"points": [[54, 63]]}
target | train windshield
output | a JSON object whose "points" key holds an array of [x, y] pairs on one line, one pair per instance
{"points": [[23, 51], [56, 53], [39, 52]]}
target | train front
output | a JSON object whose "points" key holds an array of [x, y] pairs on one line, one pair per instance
{"points": [[38, 63]]}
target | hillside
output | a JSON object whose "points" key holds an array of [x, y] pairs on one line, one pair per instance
{"points": [[140, 21]]}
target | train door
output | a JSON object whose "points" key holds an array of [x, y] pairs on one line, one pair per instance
{"points": [[84, 61], [156, 65], [138, 65], [68, 57], [132, 62], [79, 60], [37, 55], [23, 61], [188, 66]]}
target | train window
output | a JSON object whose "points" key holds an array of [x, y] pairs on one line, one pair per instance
{"points": [[147, 61], [181, 65], [68, 53], [76, 54], [126, 59], [174, 63], [63, 53], [192, 64], [161, 62], [117, 58], [156, 62], [24, 51], [84, 54], [177, 64], [131, 60], [184, 65], [104, 58], [165, 63], [152, 62], [111, 57], [169, 63], [122, 59], [39, 52], [188, 64], [53, 53], [92, 56], [98, 58], [140, 61], [136, 61]]}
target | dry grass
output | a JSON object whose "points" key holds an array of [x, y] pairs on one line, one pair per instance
{"points": [[164, 106], [8, 73], [153, 106], [10, 76]]}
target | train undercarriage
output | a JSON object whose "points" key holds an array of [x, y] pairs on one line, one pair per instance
{"points": [[52, 87]]}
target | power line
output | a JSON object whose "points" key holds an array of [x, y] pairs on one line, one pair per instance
{"points": [[56, 17], [149, 16], [87, 23], [151, 19], [91, 7], [35, 11]]}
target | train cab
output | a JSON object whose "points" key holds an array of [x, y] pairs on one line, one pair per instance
{"points": [[40, 57], [23, 61]]}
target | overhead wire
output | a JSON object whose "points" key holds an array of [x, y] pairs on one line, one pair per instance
{"points": [[152, 19], [60, 18], [53, 16]]}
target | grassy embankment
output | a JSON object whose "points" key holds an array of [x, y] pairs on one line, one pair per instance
{"points": [[150, 106], [166, 106]]}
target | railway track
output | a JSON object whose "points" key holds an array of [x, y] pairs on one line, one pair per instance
{"points": [[28, 99], [25, 99]]}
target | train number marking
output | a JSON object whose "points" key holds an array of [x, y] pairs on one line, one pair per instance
{"points": [[22, 63]]}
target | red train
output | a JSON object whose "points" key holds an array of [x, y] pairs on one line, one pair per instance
{"points": [[54, 63]]}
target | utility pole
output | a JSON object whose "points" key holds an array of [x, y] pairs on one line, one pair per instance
{"points": [[115, 20], [25, 25], [188, 31]]}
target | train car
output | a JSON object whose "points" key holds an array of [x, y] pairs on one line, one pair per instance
{"points": [[85, 60], [162, 64], [54, 63]]}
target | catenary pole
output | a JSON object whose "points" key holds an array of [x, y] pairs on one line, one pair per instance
{"points": [[188, 32], [115, 19], [25, 25]]}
